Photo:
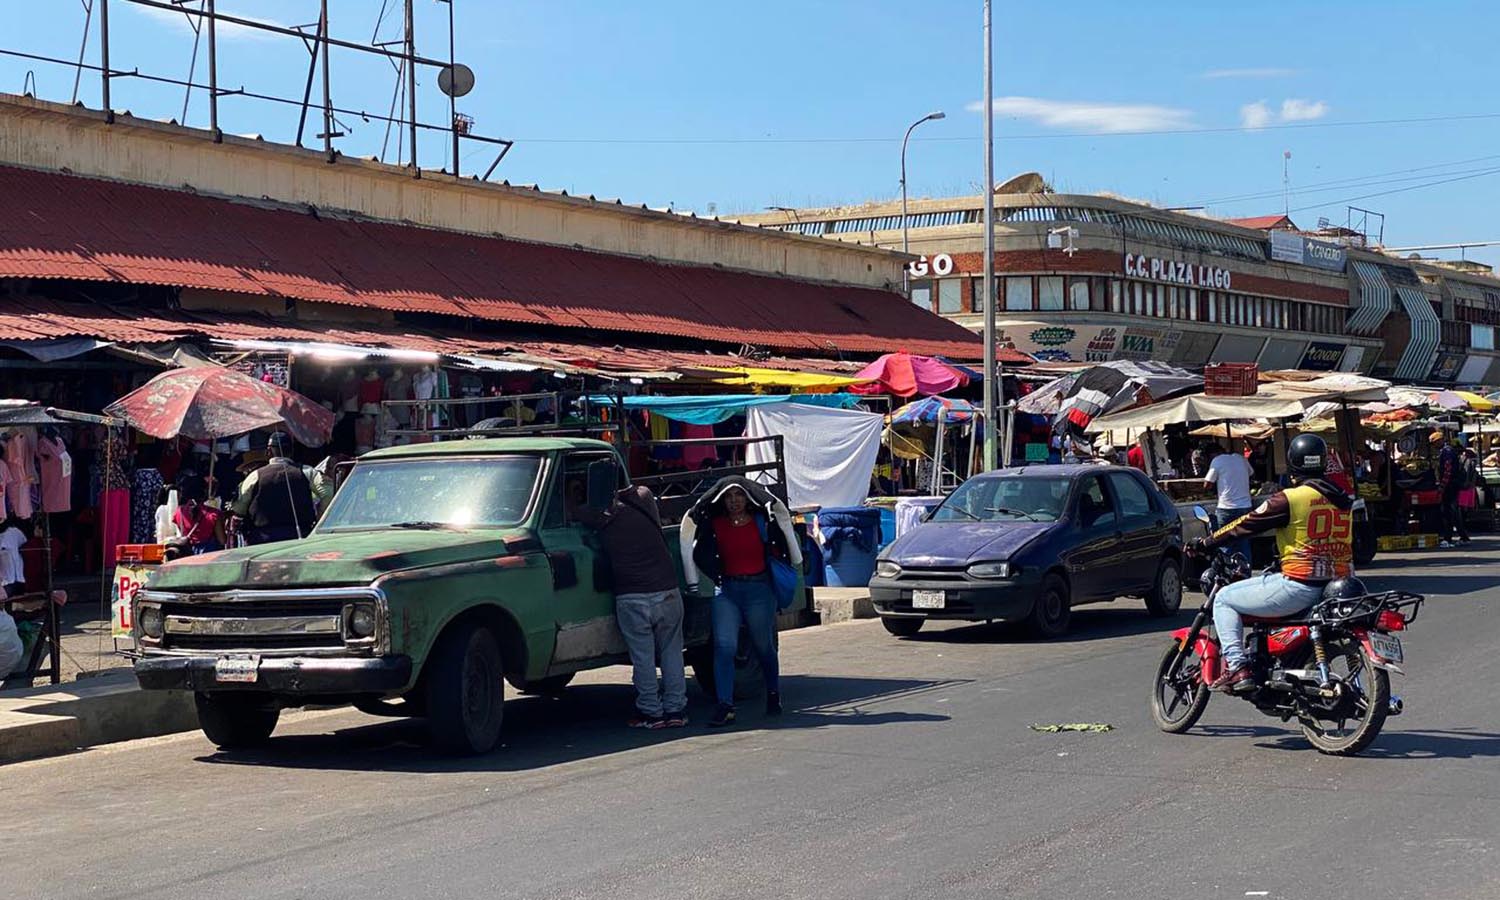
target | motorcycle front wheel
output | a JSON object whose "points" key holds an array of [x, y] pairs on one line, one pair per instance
{"points": [[1357, 723], [1177, 703]]}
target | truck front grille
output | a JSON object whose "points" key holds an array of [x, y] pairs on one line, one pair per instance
{"points": [[282, 623]]}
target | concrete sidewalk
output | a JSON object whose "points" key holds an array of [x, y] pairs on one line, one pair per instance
{"points": [[46, 721]]}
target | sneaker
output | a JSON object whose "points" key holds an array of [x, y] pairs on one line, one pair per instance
{"points": [[773, 704], [723, 715], [1445, 545], [1235, 680], [675, 720], [650, 723]]}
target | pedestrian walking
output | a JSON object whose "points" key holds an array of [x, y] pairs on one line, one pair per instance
{"points": [[277, 502], [1229, 475], [1450, 482], [648, 602], [736, 535]]}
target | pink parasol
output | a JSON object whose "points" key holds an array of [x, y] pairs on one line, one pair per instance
{"points": [[209, 402], [905, 376]]}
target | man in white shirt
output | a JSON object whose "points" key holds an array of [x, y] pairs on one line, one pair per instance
{"points": [[1229, 474]]}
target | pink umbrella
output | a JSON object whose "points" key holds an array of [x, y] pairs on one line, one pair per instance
{"points": [[905, 376], [208, 402]]}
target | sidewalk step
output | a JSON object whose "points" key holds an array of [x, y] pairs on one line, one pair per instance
{"points": [[50, 720]]}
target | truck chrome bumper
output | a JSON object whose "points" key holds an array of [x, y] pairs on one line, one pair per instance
{"points": [[279, 675]]}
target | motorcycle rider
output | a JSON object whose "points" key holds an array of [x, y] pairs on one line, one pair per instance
{"points": [[1314, 538]]}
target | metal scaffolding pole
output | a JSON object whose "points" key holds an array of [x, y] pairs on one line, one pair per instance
{"points": [[411, 83]]}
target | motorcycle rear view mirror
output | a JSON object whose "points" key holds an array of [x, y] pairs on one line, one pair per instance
{"points": [[1201, 514]]}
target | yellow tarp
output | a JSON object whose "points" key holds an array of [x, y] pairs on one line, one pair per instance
{"points": [[748, 376], [1476, 402]]}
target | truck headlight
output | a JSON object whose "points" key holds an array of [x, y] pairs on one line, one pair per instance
{"points": [[362, 621], [990, 570], [887, 569], [149, 619]]}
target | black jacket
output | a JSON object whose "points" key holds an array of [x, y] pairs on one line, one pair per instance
{"points": [[700, 546]]}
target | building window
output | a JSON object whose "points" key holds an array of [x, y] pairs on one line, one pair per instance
{"points": [[921, 294], [1482, 337], [950, 296], [1116, 296], [1078, 294], [1174, 310], [1049, 293], [1137, 298], [977, 291], [1018, 294], [1192, 304], [1211, 303]]}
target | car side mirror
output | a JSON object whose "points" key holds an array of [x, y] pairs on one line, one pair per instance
{"points": [[1201, 515], [602, 479]]}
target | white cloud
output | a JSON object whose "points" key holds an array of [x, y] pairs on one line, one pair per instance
{"points": [[1303, 110], [1082, 115], [1256, 115], [1249, 73], [183, 22]]}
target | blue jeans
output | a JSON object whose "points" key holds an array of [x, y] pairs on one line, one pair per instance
{"points": [[652, 627], [752, 602], [1223, 517], [1267, 595]]}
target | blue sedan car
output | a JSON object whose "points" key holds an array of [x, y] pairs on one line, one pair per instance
{"points": [[1027, 545]]}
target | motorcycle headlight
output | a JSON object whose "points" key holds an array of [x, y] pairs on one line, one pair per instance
{"points": [[887, 569], [362, 621], [149, 620], [990, 570]]}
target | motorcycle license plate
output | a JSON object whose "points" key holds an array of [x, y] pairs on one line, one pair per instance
{"points": [[242, 669], [1386, 647], [928, 599]]}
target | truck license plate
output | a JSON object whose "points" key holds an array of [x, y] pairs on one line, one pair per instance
{"points": [[1386, 647], [928, 599], [243, 669]]}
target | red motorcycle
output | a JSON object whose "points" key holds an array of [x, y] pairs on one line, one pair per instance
{"points": [[1328, 666]]}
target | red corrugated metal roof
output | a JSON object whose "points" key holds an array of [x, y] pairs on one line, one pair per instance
{"points": [[64, 226], [1263, 223]]}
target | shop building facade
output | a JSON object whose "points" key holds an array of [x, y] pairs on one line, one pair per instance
{"points": [[1085, 278]]}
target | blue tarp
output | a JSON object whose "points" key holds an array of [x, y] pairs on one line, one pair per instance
{"points": [[713, 409]]}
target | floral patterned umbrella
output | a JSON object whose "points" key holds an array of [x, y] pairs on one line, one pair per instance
{"points": [[209, 402]]}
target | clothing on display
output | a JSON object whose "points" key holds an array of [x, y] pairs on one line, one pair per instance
{"points": [[22, 466], [56, 474], [400, 387], [371, 389], [148, 482], [12, 566]]}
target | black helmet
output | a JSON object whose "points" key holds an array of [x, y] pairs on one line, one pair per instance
{"points": [[1307, 456], [1346, 588]]}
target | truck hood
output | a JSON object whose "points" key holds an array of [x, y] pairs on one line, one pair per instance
{"points": [[954, 544], [337, 559]]}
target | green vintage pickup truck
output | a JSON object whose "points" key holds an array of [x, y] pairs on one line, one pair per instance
{"points": [[438, 572]]}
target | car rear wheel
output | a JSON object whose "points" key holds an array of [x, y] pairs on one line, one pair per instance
{"points": [[1166, 594], [1053, 610], [902, 626]]}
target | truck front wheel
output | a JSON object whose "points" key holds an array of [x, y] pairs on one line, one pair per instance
{"points": [[466, 691], [236, 721]]}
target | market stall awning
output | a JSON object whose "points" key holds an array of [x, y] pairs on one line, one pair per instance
{"points": [[753, 377], [58, 226], [907, 375], [1198, 408], [713, 409]]}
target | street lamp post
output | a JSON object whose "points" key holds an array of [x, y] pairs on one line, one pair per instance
{"points": [[905, 275], [991, 379]]}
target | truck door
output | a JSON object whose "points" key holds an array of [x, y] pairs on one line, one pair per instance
{"points": [[583, 602]]}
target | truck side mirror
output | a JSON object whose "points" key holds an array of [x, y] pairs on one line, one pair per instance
{"points": [[602, 479]]}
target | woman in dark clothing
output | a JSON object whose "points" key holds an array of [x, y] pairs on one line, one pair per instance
{"points": [[729, 536]]}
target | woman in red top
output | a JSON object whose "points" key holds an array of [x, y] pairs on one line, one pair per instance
{"points": [[201, 527]]}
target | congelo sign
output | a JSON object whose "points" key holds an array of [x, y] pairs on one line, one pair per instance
{"points": [[1138, 265], [939, 265]]}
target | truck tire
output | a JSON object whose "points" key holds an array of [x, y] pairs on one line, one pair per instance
{"points": [[236, 721], [749, 680], [465, 691]]}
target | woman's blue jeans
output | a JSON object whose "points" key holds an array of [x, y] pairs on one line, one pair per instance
{"points": [[752, 602]]}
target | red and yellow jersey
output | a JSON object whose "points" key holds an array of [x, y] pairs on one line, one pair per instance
{"points": [[1314, 526]]}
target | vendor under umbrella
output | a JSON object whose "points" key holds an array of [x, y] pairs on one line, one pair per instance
{"points": [[278, 501]]}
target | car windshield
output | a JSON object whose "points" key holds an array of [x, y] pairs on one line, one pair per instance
{"points": [[435, 493], [1034, 499]]}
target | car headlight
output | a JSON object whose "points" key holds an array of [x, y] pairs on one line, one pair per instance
{"points": [[150, 621], [990, 570], [362, 621], [887, 569]]}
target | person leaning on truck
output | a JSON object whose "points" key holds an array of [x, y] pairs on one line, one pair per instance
{"points": [[278, 501], [648, 603]]}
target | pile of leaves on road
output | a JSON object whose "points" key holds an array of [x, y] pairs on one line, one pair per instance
{"points": [[1085, 727]]}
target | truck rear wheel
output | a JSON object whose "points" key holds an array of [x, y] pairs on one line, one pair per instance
{"points": [[236, 721], [749, 679], [465, 691]]}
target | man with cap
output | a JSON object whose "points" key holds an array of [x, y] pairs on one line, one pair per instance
{"points": [[278, 501], [1450, 481]]}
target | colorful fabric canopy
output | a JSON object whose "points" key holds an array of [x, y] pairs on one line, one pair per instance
{"points": [[905, 375], [713, 409], [206, 402], [927, 410], [750, 376]]}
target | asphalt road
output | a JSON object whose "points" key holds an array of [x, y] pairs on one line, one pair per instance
{"points": [[904, 768]]}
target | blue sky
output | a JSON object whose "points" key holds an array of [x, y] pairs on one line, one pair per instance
{"points": [[797, 102]]}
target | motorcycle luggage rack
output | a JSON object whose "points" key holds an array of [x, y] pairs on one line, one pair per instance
{"points": [[1346, 611]]}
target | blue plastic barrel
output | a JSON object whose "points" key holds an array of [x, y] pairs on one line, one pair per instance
{"points": [[851, 538], [887, 526]]}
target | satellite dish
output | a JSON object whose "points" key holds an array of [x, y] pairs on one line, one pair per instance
{"points": [[456, 80], [1025, 183]]}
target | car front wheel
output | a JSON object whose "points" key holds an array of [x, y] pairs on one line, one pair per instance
{"points": [[902, 627], [1053, 610], [1166, 593]]}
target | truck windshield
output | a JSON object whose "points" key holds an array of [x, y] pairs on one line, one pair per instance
{"points": [[436, 493], [998, 499]]}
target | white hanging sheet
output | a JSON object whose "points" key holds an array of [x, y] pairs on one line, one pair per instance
{"points": [[830, 453]]}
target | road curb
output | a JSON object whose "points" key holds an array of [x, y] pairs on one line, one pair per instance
{"points": [[834, 605], [50, 720]]}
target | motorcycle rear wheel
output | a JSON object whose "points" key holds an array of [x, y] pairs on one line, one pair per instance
{"points": [[1176, 707], [1340, 737]]}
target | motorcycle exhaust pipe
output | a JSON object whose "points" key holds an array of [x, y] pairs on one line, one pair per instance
{"points": [[1395, 706]]}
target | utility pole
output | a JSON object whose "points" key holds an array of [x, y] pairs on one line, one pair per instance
{"points": [[991, 378], [1286, 182], [411, 83]]}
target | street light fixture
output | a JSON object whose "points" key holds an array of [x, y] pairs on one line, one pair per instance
{"points": [[932, 116]]}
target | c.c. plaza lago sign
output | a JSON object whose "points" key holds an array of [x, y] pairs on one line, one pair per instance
{"points": [[1175, 272]]}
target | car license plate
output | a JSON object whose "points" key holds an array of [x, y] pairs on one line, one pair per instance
{"points": [[928, 599], [1386, 647], [243, 669]]}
